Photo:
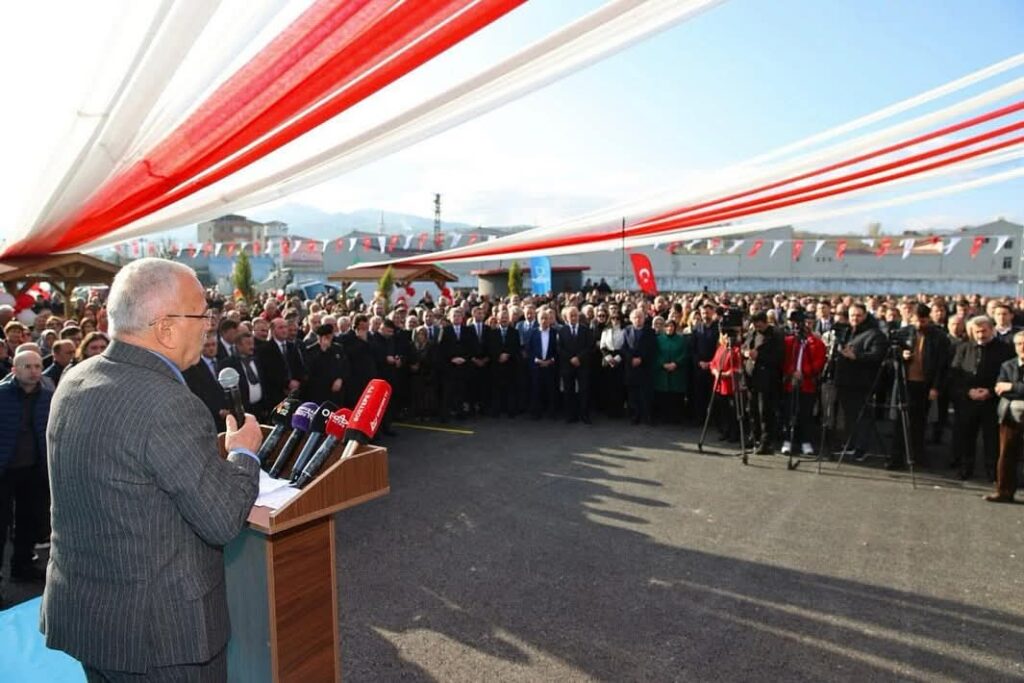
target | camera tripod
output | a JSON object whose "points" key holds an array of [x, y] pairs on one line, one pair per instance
{"points": [[740, 402], [898, 402]]}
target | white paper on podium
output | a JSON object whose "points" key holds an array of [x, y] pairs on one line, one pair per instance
{"points": [[274, 493]]}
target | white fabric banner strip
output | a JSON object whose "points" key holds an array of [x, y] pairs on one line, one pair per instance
{"points": [[611, 28], [1000, 243], [736, 244], [775, 247], [134, 71], [740, 177], [951, 245], [818, 244]]}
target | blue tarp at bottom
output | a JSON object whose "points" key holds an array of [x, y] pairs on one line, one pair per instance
{"points": [[25, 656]]}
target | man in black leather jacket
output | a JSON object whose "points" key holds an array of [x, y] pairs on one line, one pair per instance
{"points": [[856, 371]]}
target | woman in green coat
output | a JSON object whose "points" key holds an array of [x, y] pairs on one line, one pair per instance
{"points": [[672, 376]]}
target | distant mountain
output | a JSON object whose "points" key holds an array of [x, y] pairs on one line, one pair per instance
{"points": [[309, 221]]}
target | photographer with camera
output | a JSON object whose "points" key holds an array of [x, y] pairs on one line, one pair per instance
{"points": [[763, 351], [857, 366], [972, 380], [804, 361], [924, 351]]}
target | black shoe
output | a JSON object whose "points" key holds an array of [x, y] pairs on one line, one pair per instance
{"points": [[29, 573]]}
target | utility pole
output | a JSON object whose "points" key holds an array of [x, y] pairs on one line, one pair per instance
{"points": [[437, 219]]}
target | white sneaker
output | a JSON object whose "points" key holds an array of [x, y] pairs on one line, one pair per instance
{"points": [[787, 448]]}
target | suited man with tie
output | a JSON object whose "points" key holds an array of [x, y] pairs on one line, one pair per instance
{"points": [[706, 334], [504, 353], [480, 370], [250, 374], [575, 352], [226, 337], [281, 362], [823, 323], [457, 347], [542, 351], [639, 358], [142, 501], [1010, 389], [201, 379]]}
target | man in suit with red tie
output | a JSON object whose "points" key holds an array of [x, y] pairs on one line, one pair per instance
{"points": [[543, 358], [574, 352]]}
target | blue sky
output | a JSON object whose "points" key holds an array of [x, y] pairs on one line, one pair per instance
{"points": [[739, 80]]}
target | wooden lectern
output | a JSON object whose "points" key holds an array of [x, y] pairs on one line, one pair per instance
{"points": [[281, 583]]}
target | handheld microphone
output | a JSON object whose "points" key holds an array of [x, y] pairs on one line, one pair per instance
{"points": [[316, 429], [282, 420], [228, 379], [300, 425], [337, 423], [367, 416]]}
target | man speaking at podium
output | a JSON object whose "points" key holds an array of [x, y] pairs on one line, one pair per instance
{"points": [[142, 503]]}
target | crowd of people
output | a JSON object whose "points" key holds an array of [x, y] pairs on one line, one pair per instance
{"points": [[790, 373]]}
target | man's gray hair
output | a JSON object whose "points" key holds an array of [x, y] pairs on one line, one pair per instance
{"points": [[1019, 336], [980, 320], [142, 292]]}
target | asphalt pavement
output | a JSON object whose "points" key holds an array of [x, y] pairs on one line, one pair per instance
{"points": [[541, 551]]}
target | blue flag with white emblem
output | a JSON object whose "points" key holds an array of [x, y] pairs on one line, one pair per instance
{"points": [[540, 275]]}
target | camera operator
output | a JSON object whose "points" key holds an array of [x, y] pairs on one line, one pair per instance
{"points": [[925, 352], [856, 369], [804, 360], [972, 379], [763, 351]]}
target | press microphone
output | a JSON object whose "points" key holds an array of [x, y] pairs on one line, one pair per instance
{"points": [[301, 420], [281, 418], [337, 423], [316, 429], [228, 379], [366, 416]]}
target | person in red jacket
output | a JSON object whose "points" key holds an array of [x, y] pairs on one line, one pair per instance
{"points": [[724, 367], [801, 368]]}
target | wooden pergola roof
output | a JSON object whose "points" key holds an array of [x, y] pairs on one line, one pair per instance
{"points": [[403, 273], [64, 272]]}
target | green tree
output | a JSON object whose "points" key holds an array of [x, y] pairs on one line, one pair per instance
{"points": [[242, 277], [515, 279], [386, 284]]}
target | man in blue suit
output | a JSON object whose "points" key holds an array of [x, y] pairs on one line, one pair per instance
{"points": [[542, 356]]}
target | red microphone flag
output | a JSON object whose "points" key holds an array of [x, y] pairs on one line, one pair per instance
{"points": [[644, 272], [369, 411]]}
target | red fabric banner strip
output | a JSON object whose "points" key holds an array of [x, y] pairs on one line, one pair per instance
{"points": [[341, 51], [755, 249], [798, 248], [840, 250], [976, 245]]}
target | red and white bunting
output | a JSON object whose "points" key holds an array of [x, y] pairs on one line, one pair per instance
{"points": [[1000, 243], [775, 247], [736, 244], [818, 244], [755, 249], [841, 250], [976, 245], [950, 245], [798, 248], [382, 242], [455, 239]]}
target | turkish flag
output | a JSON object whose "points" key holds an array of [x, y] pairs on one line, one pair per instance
{"points": [[644, 272], [883, 247], [976, 246], [422, 241], [393, 242], [840, 250], [756, 248], [367, 244], [798, 248]]}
